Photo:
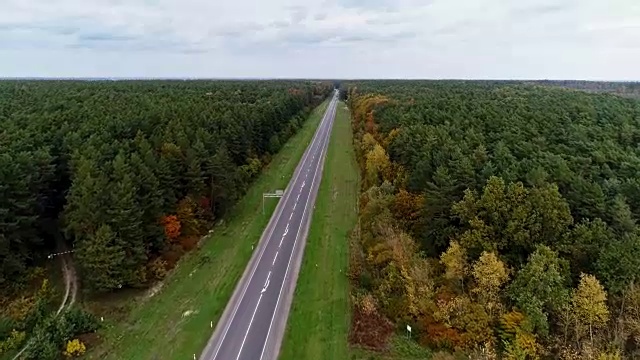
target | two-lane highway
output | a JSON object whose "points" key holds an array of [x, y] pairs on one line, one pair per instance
{"points": [[253, 323]]}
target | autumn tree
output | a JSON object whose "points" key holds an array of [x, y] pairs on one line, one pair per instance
{"points": [[589, 305], [172, 226], [455, 263], [377, 164], [407, 208], [490, 274]]}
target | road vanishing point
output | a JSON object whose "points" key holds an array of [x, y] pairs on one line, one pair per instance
{"points": [[253, 323]]}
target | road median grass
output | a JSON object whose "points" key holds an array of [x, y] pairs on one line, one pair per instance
{"points": [[318, 324], [175, 322]]}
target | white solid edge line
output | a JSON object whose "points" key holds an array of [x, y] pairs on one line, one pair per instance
{"points": [[305, 157], [264, 345]]}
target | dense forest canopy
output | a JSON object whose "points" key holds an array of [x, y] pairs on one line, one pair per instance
{"points": [[130, 173], [626, 89], [499, 215]]}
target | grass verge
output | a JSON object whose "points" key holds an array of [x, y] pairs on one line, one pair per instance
{"points": [[318, 324], [176, 321], [401, 348]]}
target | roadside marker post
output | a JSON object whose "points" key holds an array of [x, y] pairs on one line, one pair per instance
{"points": [[408, 331]]}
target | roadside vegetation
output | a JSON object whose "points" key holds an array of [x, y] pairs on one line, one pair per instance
{"points": [[318, 323], [498, 220], [131, 174]]}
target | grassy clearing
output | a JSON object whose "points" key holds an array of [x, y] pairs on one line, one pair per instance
{"points": [[156, 328], [318, 324], [401, 348]]}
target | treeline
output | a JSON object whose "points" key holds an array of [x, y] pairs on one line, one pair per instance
{"points": [[497, 219], [626, 89], [131, 173]]}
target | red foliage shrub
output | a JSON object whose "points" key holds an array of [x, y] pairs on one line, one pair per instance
{"points": [[171, 226], [188, 242], [370, 331], [437, 335], [205, 203]]}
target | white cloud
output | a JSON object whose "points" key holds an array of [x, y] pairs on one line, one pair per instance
{"points": [[587, 39]]}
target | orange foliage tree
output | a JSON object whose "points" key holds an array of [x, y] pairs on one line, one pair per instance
{"points": [[407, 207], [171, 226]]}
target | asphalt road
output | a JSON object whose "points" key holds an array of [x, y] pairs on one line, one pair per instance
{"points": [[254, 321]]}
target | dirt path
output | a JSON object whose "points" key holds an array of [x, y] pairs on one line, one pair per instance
{"points": [[70, 283], [70, 287]]}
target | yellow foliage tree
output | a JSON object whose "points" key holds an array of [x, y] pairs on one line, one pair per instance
{"points": [[489, 274], [455, 263], [368, 142], [589, 304], [392, 135], [377, 164], [519, 343]]}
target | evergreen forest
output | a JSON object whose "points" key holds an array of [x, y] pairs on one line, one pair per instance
{"points": [[129, 174]]}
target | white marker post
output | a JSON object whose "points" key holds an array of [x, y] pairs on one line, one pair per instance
{"points": [[409, 331]]}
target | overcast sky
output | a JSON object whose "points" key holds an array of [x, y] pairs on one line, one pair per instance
{"points": [[505, 39]]}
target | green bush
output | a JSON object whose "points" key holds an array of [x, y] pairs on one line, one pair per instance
{"points": [[51, 335], [37, 314], [6, 326], [15, 339], [81, 322]]}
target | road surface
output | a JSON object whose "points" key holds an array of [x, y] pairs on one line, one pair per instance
{"points": [[254, 321]]}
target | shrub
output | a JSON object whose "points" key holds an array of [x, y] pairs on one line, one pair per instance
{"points": [[6, 326], [74, 348], [81, 322], [54, 332], [158, 268], [15, 339]]}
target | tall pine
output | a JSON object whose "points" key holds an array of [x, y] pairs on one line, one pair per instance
{"points": [[125, 218]]}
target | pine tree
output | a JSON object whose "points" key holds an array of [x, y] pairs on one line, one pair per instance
{"points": [[149, 198], [125, 218], [85, 209], [194, 175], [102, 260]]}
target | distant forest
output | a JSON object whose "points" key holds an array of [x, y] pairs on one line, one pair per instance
{"points": [[625, 89], [130, 174], [497, 218]]}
